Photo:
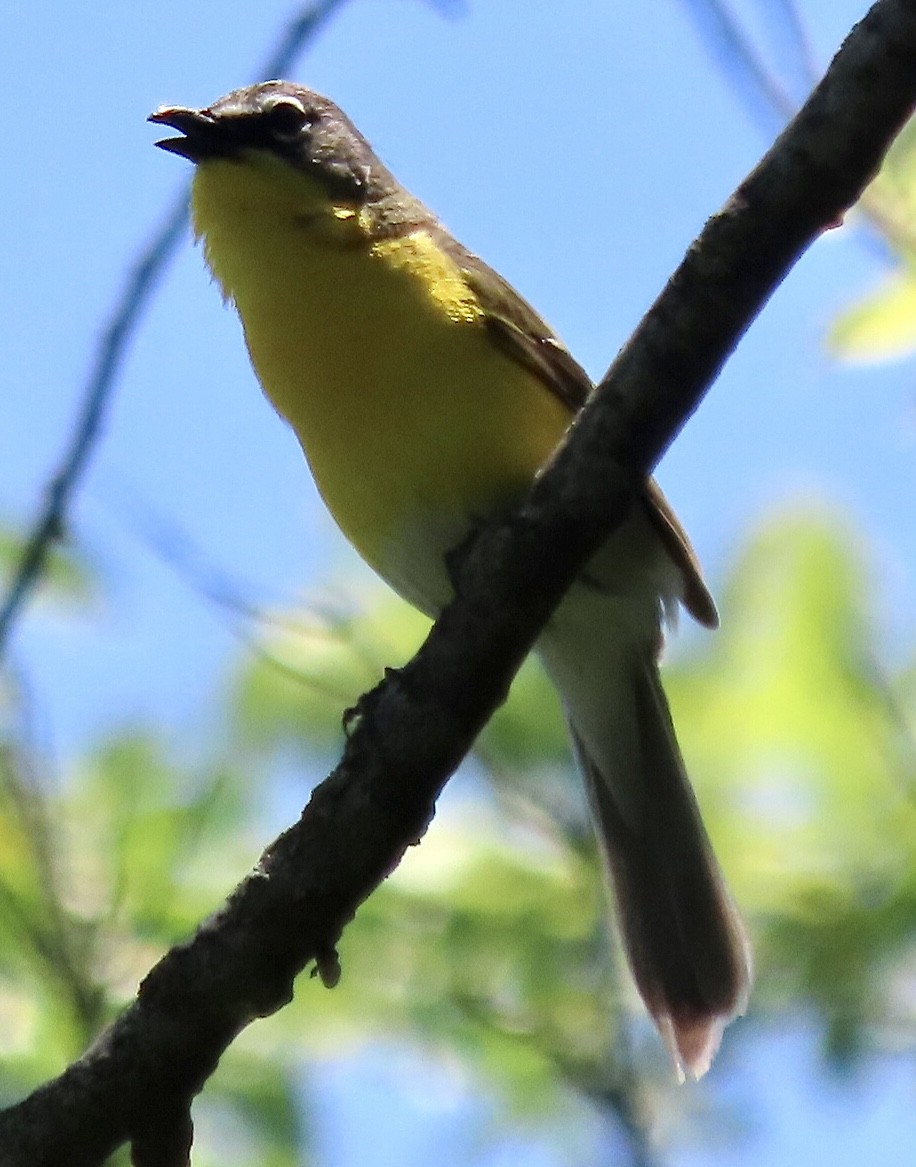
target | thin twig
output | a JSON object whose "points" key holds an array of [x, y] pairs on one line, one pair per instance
{"points": [[142, 281], [891, 229], [797, 37], [738, 57]]}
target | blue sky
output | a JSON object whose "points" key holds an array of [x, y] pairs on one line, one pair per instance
{"points": [[578, 147]]}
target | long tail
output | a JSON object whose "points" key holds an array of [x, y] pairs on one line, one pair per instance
{"points": [[685, 942]]}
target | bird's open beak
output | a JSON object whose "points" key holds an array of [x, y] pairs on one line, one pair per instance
{"points": [[195, 124]]}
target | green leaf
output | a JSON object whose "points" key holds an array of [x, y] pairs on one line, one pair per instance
{"points": [[882, 325]]}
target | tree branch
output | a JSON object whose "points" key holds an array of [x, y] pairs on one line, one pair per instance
{"points": [[407, 736]]}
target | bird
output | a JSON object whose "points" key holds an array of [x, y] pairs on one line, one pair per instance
{"points": [[426, 395]]}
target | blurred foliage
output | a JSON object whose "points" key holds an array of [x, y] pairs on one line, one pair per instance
{"points": [[489, 943], [66, 580], [811, 790]]}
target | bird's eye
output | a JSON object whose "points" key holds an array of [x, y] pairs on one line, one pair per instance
{"points": [[286, 119]]}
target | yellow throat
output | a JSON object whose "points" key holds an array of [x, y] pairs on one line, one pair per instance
{"points": [[377, 353]]}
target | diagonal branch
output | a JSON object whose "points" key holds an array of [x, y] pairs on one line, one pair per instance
{"points": [[138, 1080]]}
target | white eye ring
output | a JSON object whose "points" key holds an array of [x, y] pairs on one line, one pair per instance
{"points": [[287, 118]]}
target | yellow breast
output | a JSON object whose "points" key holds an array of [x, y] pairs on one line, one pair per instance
{"points": [[413, 421]]}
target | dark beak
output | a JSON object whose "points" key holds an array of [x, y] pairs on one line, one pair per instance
{"points": [[197, 126]]}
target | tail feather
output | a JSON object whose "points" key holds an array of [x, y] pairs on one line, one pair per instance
{"points": [[685, 941]]}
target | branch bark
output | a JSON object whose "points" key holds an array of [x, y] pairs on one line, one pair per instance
{"points": [[137, 1081]]}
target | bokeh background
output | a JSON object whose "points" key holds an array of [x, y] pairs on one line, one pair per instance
{"points": [[175, 687]]}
